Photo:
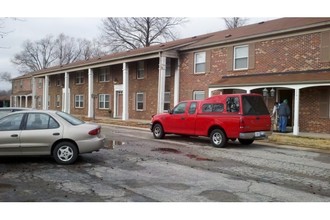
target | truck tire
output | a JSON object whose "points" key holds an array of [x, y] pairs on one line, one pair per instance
{"points": [[218, 138], [158, 131], [246, 141]]}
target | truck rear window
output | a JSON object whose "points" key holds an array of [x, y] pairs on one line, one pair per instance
{"points": [[254, 105]]}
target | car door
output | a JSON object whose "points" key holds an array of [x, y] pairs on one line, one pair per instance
{"points": [[174, 122], [10, 130], [39, 133]]}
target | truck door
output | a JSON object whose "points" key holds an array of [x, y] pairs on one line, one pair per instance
{"points": [[182, 119]]}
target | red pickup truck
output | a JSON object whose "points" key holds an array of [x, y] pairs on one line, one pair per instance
{"points": [[222, 117]]}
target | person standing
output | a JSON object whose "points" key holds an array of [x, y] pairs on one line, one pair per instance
{"points": [[284, 114]]}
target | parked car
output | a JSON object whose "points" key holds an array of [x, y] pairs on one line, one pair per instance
{"points": [[6, 110], [222, 117], [46, 132]]}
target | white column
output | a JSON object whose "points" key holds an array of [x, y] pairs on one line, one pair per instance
{"points": [[90, 93], [20, 101], [125, 91], [45, 93], [66, 93], [11, 101], [161, 84], [34, 92], [296, 112], [26, 101], [177, 83]]}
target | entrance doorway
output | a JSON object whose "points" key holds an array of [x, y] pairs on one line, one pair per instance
{"points": [[289, 95], [119, 104]]}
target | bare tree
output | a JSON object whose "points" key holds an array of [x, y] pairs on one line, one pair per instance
{"points": [[135, 32], [51, 51], [235, 22], [5, 76]]}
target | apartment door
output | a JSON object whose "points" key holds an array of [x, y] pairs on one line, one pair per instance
{"points": [[119, 104]]}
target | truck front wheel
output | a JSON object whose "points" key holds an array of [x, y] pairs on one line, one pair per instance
{"points": [[158, 131], [218, 138]]}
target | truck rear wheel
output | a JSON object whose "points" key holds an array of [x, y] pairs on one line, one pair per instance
{"points": [[218, 138], [246, 141], [158, 131]]}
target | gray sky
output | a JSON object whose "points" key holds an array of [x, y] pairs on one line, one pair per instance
{"points": [[36, 28], [39, 18]]}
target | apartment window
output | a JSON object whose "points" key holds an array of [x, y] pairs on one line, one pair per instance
{"points": [[198, 95], [58, 82], [200, 60], [104, 101], [79, 101], [167, 100], [168, 67], [79, 78], [58, 101], [140, 70], [139, 101], [40, 83], [241, 55], [21, 83], [104, 75]]}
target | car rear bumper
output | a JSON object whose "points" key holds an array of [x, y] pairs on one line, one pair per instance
{"points": [[88, 146], [255, 135]]}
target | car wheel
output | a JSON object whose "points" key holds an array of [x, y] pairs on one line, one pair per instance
{"points": [[65, 153], [158, 131], [246, 141], [218, 138]]}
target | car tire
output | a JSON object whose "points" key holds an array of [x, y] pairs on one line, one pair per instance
{"points": [[218, 138], [65, 153], [158, 131], [246, 141]]}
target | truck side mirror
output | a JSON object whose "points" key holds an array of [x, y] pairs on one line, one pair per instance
{"points": [[170, 111]]}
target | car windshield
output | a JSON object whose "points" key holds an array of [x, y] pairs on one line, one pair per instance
{"points": [[69, 118]]}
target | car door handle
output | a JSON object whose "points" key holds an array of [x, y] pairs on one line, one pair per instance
{"points": [[56, 134], [14, 135], [183, 118]]}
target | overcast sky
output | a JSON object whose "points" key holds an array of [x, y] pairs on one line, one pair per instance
{"points": [[84, 21]]}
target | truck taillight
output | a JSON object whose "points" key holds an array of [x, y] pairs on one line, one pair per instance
{"points": [[241, 123], [95, 131]]}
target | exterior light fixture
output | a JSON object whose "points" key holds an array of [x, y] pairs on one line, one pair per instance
{"points": [[265, 92], [272, 92]]}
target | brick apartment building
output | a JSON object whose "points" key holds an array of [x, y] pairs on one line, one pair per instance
{"points": [[287, 58]]}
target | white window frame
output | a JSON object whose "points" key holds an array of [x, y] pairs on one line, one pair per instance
{"points": [[140, 70], [196, 93], [168, 67], [104, 101], [80, 78], [236, 57], [104, 75], [167, 99], [199, 62], [137, 101], [80, 101]]}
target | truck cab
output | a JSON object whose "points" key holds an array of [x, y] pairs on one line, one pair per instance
{"points": [[222, 117]]}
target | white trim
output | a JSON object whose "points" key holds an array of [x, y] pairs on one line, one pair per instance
{"points": [[161, 83], [90, 98]]}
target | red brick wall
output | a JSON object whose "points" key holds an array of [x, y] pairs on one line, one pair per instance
{"points": [[309, 112]]}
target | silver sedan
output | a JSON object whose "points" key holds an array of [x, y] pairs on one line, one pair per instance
{"points": [[55, 133]]}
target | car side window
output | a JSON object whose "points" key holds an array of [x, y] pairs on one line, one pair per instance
{"points": [[232, 104], [180, 108], [40, 121], [192, 108], [11, 122]]}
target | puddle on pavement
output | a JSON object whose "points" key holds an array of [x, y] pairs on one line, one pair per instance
{"points": [[167, 150], [192, 156], [112, 143]]}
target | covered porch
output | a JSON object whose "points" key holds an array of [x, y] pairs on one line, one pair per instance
{"points": [[275, 87]]}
